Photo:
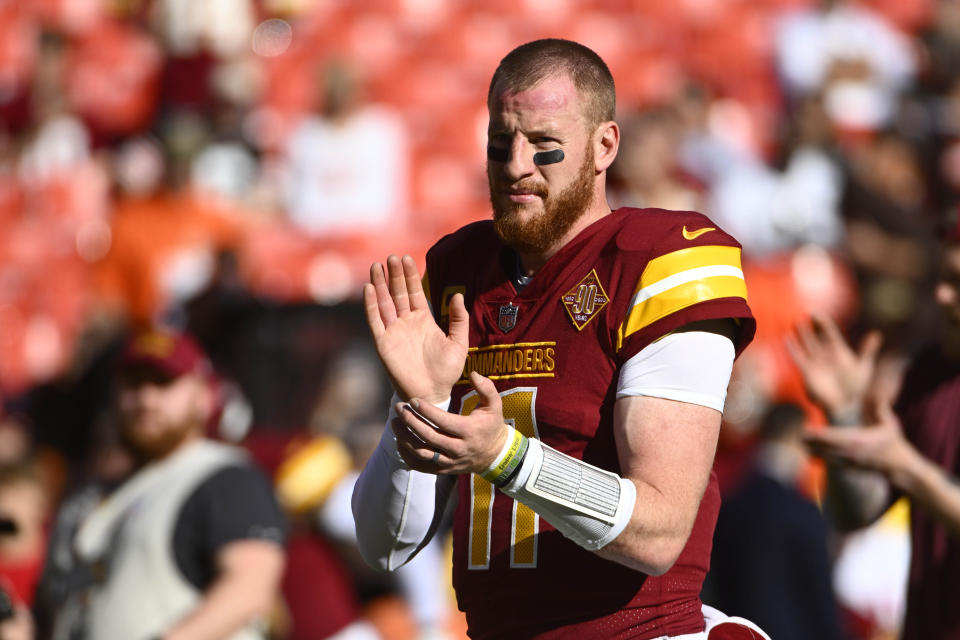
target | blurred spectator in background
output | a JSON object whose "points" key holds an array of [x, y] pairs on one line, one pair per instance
{"points": [[14, 438], [870, 572], [315, 483], [319, 592], [776, 207], [15, 620], [219, 314], [772, 206], [889, 229], [346, 395], [647, 171], [24, 507], [61, 594], [706, 151], [112, 74], [195, 516], [165, 236], [347, 165], [849, 53], [770, 560], [878, 452], [420, 585]]}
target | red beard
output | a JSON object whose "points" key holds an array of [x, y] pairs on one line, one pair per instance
{"points": [[542, 232], [148, 447]]}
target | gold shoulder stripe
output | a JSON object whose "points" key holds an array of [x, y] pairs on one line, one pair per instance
{"points": [[682, 279], [689, 258]]}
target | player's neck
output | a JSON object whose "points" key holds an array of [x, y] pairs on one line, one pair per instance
{"points": [[531, 262]]}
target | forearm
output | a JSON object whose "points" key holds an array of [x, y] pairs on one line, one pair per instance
{"points": [[233, 601], [931, 488], [670, 398], [656, 535], [623, 520], [396, 509], [667, 418], [855, 497]]}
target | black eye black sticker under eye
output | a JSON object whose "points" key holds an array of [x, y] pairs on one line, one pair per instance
{"points": [[540, 158], [548, 157]]}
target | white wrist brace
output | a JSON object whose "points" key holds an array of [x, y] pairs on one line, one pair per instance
{"points": [[586, 504]]}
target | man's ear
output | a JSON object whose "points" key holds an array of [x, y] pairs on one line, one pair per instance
{"points": [[606, 144]]}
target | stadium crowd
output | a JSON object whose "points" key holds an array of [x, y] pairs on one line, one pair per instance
{"points": [[230, 168]]}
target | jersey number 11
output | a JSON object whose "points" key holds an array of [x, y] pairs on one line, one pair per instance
{"points": [[518, 410]]}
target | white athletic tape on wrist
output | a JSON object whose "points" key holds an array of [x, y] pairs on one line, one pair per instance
{"points": [[587, 504]]}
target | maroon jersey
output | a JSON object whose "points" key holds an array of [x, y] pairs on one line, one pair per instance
{"points": [[929, 410], [555, 350]]}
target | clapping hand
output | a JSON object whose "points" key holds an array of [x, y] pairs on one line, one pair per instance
{"points": [[878, 445], [438, 442], [420, 359], [836, 377]]}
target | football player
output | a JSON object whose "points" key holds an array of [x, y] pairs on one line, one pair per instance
{"points": [[561, 370]]}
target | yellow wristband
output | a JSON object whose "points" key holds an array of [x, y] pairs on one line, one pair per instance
{"points": [[509, 459]]}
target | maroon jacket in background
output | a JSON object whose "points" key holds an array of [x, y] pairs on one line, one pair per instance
{"points": [[929, 409]]}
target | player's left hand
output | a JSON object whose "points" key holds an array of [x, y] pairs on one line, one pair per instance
{"points": [[880, 446], [458, 444]]}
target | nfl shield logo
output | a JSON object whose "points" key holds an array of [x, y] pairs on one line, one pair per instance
{"points": [[508, 317]]}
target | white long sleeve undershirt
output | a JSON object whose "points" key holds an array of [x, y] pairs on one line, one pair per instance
{"points": [[396, 509]]}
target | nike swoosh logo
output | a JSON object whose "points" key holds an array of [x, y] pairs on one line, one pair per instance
{"points": [[693, 235]]}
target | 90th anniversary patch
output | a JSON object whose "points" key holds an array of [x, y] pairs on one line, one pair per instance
{"points": [[585, 300]]}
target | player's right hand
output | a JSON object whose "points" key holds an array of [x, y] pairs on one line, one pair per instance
{"points": [[420, 359]]}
